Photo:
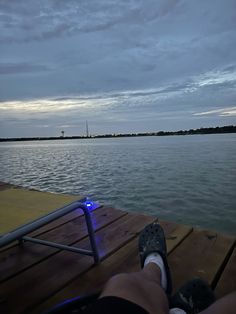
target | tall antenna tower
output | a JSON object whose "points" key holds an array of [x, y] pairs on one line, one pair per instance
{"points": [[87, 130]]}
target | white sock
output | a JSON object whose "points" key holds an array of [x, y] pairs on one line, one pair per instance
{"points": [[176, 310], [157, 259]]}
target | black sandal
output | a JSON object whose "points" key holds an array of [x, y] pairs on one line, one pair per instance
{"points": [[151, 240], [195, 296]]}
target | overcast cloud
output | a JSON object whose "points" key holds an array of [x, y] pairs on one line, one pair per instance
{"points": [[125, 66]]}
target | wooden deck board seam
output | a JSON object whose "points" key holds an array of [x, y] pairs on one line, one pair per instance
{"points": [[223, 266], [181, 241], [58, 250], [91, 269], [39, 234], [122, 245], [110, 238], [63, 223], [10, 246], [28, 267], [43, 232], [36, 305]]}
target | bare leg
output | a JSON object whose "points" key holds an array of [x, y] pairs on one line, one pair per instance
{"points": [[142, 288], [225, 305]]}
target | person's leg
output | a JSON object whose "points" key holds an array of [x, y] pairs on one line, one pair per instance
{"points": [[148, 287], [225, 305], [142, 288]]}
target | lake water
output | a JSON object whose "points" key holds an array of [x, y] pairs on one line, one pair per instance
{"points": [[187, 179]]}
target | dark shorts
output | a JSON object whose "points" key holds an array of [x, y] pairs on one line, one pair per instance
{"points": [[114, 305]]}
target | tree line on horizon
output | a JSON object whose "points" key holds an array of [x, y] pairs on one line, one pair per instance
{"points": [[211, 130]]}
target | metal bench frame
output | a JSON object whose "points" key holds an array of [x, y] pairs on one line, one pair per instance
{"points": [[20, 233]]}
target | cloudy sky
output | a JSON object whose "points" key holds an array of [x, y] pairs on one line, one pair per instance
{"points": [[123, 65]]}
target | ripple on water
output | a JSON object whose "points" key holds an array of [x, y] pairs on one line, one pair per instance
{"points": [[191, 180]]}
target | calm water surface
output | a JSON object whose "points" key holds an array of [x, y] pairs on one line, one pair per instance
{"points": [[188, 179]]}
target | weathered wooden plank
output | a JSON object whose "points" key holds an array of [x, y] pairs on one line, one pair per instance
{"points": [[227, 281], [200, 255], [64, 219], [54, 224], [19, 258], [126, 259], [34, 285], [174, 233], [58, 222]]}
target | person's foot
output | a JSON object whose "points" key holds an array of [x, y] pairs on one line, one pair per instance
{"points": [[152, 249], [195, 296]]}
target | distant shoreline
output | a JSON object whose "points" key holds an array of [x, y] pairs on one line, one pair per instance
{"points": [[215, 130]]}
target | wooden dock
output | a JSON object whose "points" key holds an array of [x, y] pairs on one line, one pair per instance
{"points": [[34, 277]]}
